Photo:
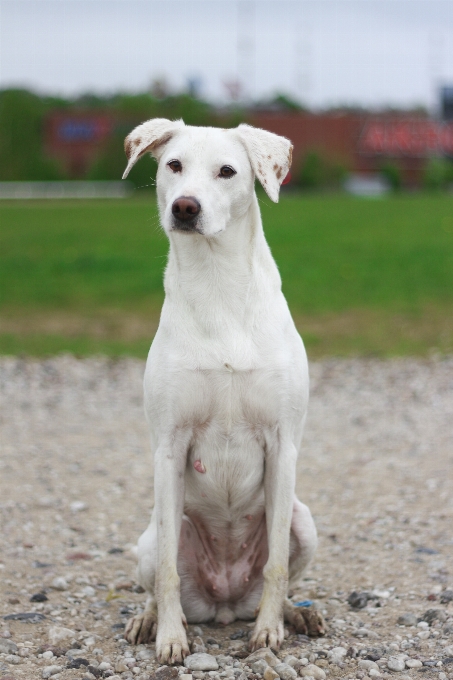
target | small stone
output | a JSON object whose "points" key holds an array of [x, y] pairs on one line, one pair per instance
{"points": [[13, 658], [185, 676], [235, 645], [396, 663], [449, 651], [104, 666], [413, 663], [432, 615], [367, 664], [238, 634], [270, 674], [47, 655], [88, 591], [78, 663], [39, 597], [48, 671], [446, 596], [146, 654], [7, 646], [314, 671], [285, 671], [57, 633], [201, 662], [374, 673], [337, 655], [120, 667], [59, 583], [407, 620], [78, 506], [291, 661], [259, 666], [265, 653], [198, 646], [358, 600]]}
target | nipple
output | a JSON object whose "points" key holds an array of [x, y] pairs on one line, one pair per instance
{"points": [[199, 467]]}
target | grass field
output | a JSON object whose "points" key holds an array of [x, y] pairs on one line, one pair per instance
{"points": [[360, 276]]}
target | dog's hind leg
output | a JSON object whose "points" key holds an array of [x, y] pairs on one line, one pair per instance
{"points": [[305, 620], [142, 628], [303, 542]]}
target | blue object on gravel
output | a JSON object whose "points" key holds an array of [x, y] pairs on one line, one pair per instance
{"points": [[303, 603]]}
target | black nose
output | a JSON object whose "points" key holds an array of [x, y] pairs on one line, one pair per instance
{"points": [[185, 208]]}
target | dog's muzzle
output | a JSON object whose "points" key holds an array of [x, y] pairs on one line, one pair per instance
{"points": [[185, 211]]}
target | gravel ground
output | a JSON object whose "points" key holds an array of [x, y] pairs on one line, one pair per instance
{"points": [[76, 492]]}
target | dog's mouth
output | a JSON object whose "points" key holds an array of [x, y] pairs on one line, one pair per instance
{"points": [[188, 226]]}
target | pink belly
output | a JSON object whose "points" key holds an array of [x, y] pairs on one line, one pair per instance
{"points": [[224, 566]]}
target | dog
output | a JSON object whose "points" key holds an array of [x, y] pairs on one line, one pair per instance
{"points": [[226, 394]]}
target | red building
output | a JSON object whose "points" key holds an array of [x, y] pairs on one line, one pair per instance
{"points": [[360, 143]]}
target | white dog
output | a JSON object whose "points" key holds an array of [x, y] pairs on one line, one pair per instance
{"points": [[226, 393]]}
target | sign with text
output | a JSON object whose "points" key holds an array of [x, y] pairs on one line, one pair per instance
{"points": [[412, 138]]}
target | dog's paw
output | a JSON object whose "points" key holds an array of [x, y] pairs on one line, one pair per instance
{"points": [[141, 629], [267, 636], [307, 621], [172, 651]]}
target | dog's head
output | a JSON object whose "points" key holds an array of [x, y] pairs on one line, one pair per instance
{"points": [[205, 176]]}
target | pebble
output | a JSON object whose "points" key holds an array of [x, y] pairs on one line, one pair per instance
{"points": [[265, 653], [407, 620], [201, 662], [270, 674], [285, 671], [314, 671], [166, 673], [259, 666], [198, 646], [48, 671], [13, 658], [7, 646], [413, 663], [185, 676], [358, 600], [368, 665], [59, 583], [432, 615], [337, 655], [396, 663], [446, 596], [291, 661], [39, 597], [57, 633]]}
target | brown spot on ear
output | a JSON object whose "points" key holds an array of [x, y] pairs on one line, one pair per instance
{"points": [[138, 141], [128, 147], [269, 157], [275, 166], [279, 172], [290, 155]]}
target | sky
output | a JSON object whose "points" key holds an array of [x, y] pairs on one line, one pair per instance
{"points": [[324, 53]]}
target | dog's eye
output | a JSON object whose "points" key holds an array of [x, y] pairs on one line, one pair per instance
{"points": [[226, 171], [175, 166]]}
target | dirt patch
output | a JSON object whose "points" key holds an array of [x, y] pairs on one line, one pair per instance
{"points": [[76, 492]]}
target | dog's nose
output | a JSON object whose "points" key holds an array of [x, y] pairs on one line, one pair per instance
{"points": [[185, 208]]}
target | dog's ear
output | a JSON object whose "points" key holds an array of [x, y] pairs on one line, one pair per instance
{"points": [[149, 138], [270, 156]]}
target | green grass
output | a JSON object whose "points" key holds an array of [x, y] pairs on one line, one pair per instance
{"points": [[371, 261]]}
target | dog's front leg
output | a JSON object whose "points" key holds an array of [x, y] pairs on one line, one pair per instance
{"points": [[169, 468], [279, 486]]}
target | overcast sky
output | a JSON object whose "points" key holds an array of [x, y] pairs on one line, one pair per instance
{"points": [[324, 52]]}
